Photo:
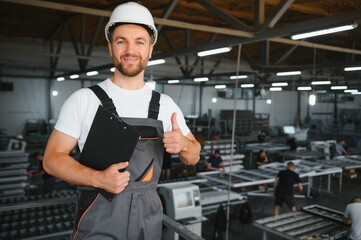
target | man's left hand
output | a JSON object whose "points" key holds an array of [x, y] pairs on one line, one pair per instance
{"points": [[174, 141]]}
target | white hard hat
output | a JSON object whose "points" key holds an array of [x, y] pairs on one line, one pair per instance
{"points": [[132, 12]]}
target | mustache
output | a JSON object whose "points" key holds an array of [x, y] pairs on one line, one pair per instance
{"points": [[131, 55]]}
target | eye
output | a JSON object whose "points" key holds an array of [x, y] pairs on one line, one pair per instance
{"points": [[140, 42], [120, 42]]}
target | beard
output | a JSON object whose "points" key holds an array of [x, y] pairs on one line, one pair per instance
{"points": [[131, 70]]}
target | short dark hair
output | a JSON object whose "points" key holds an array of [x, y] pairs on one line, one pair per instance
{"points": [[290, 164], [355, 199], [217, 151]]}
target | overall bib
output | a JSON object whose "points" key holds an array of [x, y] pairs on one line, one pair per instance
{"points": [[136, 213]]}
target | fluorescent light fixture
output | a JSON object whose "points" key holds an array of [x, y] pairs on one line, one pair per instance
{"points": [[59, 79], [324, 31], [279, 84], [201, 79], [248, 85], [321, 83], [350, 90], [238, 77], [304, 88], [92, 73], [312, 99], [356, 93], [348, 69], [275, 89], [75, 76], [220, 86], [173, 81], [214, 51], [269, 101], [112, 69], [214, 100], [288, 73], [55, 93], [156, 62], [338, 87]]}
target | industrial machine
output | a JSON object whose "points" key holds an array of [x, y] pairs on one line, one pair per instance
{"points": [[182, 202]]}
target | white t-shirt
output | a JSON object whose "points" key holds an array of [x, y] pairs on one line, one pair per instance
{"points": [[77, 113], [353, 212]]}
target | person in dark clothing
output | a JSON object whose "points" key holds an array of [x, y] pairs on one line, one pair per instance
{"points": [[283, 187], [291, 141], [215, 162], [262, 158]]}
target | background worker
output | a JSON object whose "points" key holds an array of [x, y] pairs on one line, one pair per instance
{"points": [[215, 161], [352, 216], [135, 211], [341, 148], [262, 158], [283, 187]]}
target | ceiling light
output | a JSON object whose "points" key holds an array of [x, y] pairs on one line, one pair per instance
{"points": [[279, 84], [321, 82], [156, 62], [312, 99], [59, 79], [350, 90], [323, 31], [214, 51], [269, 101], [112, 69], [92, 73], [214, 100], [250, 85], [348, 69], [288, 73], [304, 88], [220, 86], [338, 87], [75, 76], [356, 93], [275, 89], [201, 79], [55, 93], [238, 77], [173, 81]]}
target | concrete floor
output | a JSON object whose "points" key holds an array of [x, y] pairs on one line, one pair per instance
{"points": [[263, 207]]}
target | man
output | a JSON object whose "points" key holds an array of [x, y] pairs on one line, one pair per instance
{"points": [[340, 148], [135, 212], [215, 162], [283, 187], [352, 216]]}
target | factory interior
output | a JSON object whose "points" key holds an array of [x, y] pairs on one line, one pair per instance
{"points": [[266, 90]]}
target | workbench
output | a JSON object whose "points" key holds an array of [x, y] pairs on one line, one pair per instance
{"points": [[311, 223]]}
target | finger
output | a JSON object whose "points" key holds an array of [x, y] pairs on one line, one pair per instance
{"points": [[175, 126], [121, 165]]}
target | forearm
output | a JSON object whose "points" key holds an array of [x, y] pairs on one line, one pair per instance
{"points": [[66, 168], [190, 153]]}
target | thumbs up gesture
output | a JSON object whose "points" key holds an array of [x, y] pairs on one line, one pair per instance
{"points": [[174, 141]]}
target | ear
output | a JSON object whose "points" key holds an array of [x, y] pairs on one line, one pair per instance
{"points": [[150, 51], [110, 49]]}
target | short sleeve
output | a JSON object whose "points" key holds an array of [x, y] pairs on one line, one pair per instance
{"points": [[347, 213]]}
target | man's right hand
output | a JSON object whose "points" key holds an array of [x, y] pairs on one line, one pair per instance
{"points": [[112, 180]]}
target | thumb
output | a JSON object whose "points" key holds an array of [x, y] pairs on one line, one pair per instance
{"points": [[175, 126]]}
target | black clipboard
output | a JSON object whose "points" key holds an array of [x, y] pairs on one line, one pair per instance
{"points": [[110, 140]]}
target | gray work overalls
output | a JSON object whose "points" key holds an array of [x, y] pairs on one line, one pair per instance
{"points": [[136, 213]]}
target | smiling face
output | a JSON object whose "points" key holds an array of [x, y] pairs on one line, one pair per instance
{"points": [[130, 48]]}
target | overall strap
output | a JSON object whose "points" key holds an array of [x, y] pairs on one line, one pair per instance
{"points": [[154, 105], [106, 101]]}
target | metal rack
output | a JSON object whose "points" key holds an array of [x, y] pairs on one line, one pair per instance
{"points": [[13, 173], [37, 217], [310, 223]]}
